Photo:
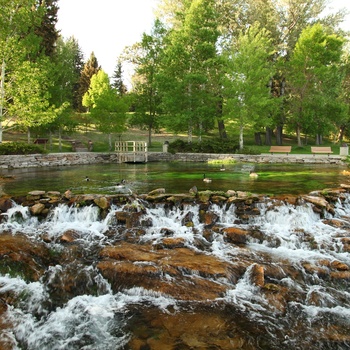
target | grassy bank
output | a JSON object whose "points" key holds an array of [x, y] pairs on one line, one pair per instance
{"points": [[101, 143]]}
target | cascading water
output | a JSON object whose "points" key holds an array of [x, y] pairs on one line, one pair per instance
{"points": [[175, 281]]}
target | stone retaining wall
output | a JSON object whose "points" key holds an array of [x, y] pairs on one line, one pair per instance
{"points": [[66, 159]]}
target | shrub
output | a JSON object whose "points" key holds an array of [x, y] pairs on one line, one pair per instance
{"points": [[249, 150], [19, 148], [215, 145]]}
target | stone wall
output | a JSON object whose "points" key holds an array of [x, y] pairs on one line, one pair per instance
{"points": [[66, 159]]}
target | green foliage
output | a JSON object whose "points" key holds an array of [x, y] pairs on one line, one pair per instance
{"points": [[249, 69], [20, 148], [315, 81], [214, 145]]}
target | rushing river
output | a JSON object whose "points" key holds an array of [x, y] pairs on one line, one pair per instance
{"points": [[73, 305]]}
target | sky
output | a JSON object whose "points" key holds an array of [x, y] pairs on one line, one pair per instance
{"points": [[106, 27]]}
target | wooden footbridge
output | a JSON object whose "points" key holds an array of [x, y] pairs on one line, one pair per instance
{"points": [[131, 151]]}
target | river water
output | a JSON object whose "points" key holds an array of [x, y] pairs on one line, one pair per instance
{"points": [[176, 177], [293, 244]]}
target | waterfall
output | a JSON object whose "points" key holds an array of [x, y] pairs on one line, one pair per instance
{"points": [[126, 284]]}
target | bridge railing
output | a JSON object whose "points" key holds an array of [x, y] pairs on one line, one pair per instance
{"points": [[131, 151]]}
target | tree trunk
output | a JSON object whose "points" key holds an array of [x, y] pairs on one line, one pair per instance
{"points": [[190, 132], [319, 140], [149, 135], [279, 135], [110, 141], [341, 133], [298, 136], [60, 139], [221, 128], [241, 145], [221, 124], [257, 137], [28, 135], [268, 136]]}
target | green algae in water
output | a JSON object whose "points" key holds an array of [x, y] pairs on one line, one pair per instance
{"points": [[176, 177]]}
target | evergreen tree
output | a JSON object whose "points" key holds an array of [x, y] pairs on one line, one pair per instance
{"points": [[90, 68], [118, 83], [47, 29]]}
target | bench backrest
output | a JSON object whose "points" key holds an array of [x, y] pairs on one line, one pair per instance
{"points": [[321, 149], [280, 148]]}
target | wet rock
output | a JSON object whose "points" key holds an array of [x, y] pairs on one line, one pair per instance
{"points": [[156, 192], [5, 204], [68, 194], [37, 209], [129, 265], [338, 265], [102, 202], [69, 236], [36, 193], [170, 243], [202, 329], [208, 218], [257, 275], [23, 257], [340, 275], [235, 235]]}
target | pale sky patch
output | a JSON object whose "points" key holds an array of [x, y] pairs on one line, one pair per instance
{"points": [[106, 27]]}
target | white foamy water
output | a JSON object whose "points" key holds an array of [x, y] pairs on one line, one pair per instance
{"points": [[288, 235]]}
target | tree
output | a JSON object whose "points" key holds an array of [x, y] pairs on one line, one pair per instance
{"points": [[314, 81], [190, 97], [90, 68], [147, 59], [108, 110], [246, 87], [25, 69], [47, 29], [66, 69], [30, 105], [118, 83]]}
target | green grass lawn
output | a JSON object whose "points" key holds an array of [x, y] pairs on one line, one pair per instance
{"points": [[101, 143]]}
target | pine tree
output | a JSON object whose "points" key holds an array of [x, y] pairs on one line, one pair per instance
{"points": [[47, 28], [90, 68], [118, 83]]}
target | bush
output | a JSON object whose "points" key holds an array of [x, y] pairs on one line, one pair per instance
{"points": [[215, 145], [19, 148], [249, 150]]}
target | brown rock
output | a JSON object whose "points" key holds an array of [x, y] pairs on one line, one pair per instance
{"points": [[235, 235], [37, 209], [337, 265], [69, 236], [137, 265], [157, 192], [257, 275], [21, 256], [102, 202]]}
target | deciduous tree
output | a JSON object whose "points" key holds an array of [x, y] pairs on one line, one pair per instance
{"points": [[108, 110], [314, 81], [249, 70]]}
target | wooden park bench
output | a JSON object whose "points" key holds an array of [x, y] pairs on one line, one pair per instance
{"points": [[40, 141], [324, 150], [280, 149]]}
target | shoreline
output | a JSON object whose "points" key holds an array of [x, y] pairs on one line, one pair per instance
{"points": [[84, 158]]}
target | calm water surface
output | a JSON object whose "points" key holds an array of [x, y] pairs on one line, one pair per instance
{"points": [[176, 177]]}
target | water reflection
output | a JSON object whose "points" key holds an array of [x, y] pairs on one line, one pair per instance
{"points": [[176, 177]]}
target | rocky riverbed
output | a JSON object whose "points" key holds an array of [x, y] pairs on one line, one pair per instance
{"points": [[223, 282]]}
